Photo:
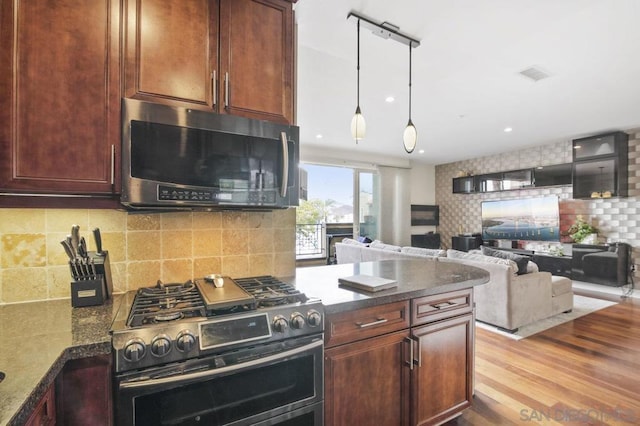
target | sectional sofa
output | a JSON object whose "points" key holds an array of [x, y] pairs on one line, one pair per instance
{"points": [[517, 292]]}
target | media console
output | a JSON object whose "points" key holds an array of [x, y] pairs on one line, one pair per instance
{"points": [[600, 264]]}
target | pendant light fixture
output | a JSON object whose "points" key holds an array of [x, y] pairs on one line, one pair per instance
{"points": [[410, 135], [358, 125], [384, 30]]}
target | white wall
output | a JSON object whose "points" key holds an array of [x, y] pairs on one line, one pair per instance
{"points": [[423, 191]]}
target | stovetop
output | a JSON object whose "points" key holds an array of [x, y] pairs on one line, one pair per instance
{"points": [[177, 321], [176, 301]]}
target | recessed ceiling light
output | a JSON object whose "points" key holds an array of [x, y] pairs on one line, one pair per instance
{"points": [[508, 129], [318, 136], [421, 151], [389, 99]]}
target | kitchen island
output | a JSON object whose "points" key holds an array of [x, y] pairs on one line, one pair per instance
{"points": [[404, 355], [415, 278]]}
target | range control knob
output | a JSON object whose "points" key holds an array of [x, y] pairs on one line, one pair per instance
{"points": [[160, 345], [280, 323], [314, 318], [297, 320], [185, 341], [134, 350]]}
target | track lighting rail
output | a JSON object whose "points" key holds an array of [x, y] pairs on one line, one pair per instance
{"points": [[385, 29]]}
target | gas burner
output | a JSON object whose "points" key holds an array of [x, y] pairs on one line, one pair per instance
{"points": [[269, 291], [171, 316], [161, 289], [165, 302]]}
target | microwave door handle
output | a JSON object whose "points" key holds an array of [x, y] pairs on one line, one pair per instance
{"points": [[207, 374], [285, 164]]}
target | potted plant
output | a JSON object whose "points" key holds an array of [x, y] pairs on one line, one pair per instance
{"points": [[582, 232]]}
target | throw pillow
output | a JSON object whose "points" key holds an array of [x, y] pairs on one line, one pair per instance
{"points": [[456, 254], [352, 242], [521, 261], [423, 251], [380, 245]]}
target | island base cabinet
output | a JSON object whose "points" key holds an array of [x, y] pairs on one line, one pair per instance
{"points": [[442, 380], [367, 382]]}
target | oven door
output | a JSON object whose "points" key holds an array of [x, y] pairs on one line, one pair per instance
{"points": [[279, 383]]}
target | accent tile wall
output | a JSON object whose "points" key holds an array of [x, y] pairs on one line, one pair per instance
{"points": [[142, 248], [618, 220]]}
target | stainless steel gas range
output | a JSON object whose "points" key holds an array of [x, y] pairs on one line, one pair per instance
{"points": [[219, 351]]}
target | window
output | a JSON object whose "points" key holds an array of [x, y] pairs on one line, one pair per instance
{"points": [[335, 196]]}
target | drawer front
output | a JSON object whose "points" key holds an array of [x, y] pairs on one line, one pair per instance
{"points": [[439, 306], [359, 324]]}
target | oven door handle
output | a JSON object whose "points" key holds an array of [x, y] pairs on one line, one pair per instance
{"points": [[137, 384]]}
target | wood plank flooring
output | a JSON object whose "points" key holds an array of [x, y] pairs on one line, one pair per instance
{"points": [[586, 371]]}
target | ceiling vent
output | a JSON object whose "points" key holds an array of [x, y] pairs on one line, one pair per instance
{"points": [[535, 73]]}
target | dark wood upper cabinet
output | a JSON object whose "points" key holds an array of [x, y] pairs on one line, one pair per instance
{"points": [[229, 56], [60, 108]]}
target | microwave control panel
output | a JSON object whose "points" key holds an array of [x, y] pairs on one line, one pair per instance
{"points": [[168, 193]]}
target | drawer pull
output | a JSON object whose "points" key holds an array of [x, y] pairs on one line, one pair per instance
{"points": [[444, 305], [369, 324]]}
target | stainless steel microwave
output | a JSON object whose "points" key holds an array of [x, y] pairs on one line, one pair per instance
{"points": [[175, 157]]}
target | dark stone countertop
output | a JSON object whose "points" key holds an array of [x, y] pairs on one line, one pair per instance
{"points": [[36, 339], [415, 278]]}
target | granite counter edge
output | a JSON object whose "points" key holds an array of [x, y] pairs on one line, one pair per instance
{"points": [[392, 297], [70, 353]]}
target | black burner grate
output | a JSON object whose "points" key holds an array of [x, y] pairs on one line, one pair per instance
{"points": [[165, 302], [269, 291]]}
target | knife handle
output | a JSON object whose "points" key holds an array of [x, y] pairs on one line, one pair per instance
{"points": [[98, 239], [67, 249], [75, 238]]}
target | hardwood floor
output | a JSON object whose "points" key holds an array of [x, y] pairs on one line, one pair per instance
{"points": [[586, 371]]}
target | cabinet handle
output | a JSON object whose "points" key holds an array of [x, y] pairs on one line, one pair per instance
{"points": [[369, 324], [113, 164], [417, 346], [444, 305], [226, 90], [214, 89], [410, 341]]}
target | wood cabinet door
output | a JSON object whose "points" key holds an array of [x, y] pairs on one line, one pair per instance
{"points": [[45, 412], [442, 382], [60, 104], [367, 382], [256, 59], [171, 51], [83, 392]]}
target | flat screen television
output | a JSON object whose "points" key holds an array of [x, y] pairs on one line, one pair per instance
{"points": [[533, 219]]}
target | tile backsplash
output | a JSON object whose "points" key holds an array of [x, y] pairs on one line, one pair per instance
{"points": [[143, 248]]}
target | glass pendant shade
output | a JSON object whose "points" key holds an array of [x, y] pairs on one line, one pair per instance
{"points": [[358, 125], [410, 137]]}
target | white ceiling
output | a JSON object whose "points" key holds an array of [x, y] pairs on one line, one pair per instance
{"points": [[466, 82]]}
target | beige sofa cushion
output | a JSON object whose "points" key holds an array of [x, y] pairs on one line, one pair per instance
{"points": [[560, 285]]}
